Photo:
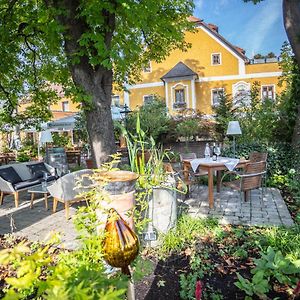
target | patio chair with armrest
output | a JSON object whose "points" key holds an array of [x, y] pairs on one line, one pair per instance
{"points": [[251, 178], [192, 176], [256, 156], [69, 188]]}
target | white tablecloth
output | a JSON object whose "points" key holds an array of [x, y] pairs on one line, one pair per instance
{"points": [[230, 163]]}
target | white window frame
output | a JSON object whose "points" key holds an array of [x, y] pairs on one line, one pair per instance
{"points": [[235, 89], [149, 95], [63, 107], [148, 70], [267, 85], [212, 95], [180, 86], [212, 61], [113, 102]]}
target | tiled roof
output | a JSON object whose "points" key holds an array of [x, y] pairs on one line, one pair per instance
{"points": [[239, 51], [180, 70]]}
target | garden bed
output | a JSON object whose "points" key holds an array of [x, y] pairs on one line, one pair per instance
{"points": [[202, 250], [173, 276]]}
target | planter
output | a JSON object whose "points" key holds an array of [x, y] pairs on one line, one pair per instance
{"points": [[121, 189], [89, 163], [162, 211]]}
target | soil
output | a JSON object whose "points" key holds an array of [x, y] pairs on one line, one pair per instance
{"points": [[163, 284]]}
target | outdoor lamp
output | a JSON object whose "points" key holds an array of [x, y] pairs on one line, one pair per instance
{"points": [[234, 129], [45, 137]]}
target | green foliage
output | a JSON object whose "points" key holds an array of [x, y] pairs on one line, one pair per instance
{"points": [[281, 158], [44, 273], [271, 265], [186, 232], [61, 140], [223, 113], [154, 119], [123, 35], [188, 128], [69, 275], [258, 118], [23, 156], [290, 99]]}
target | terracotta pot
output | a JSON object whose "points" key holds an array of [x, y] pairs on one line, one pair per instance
{"points": [[121, 189], [89, 163]]}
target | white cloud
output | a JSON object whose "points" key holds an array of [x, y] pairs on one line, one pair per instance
{"points": [[257, 30]]}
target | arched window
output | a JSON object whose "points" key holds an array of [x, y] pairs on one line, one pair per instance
{"points": [[179, 95], [241, 93]]}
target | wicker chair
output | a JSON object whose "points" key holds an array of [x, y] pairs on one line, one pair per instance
{"points": [[258, 156], [251, 179]]}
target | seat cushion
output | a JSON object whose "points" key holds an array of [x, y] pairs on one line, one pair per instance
{"points": [[9, 174], [51, 178], [38, 170], [25, 184]]}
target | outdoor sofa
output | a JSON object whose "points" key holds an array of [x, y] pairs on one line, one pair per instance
{"points": [[21, 176]]}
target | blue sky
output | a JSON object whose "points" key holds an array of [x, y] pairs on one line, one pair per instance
{"points": [[255, 28]]}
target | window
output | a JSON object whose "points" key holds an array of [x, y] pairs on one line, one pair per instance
{"points": [[147, 67], [216, 94], [179, 98], [216, 59], [268, 92], [115, 100], [65, 106], [148, 99], [241, 93]]}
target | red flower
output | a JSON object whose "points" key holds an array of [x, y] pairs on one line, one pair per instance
{"points": [[198, 290], [297, 289]]}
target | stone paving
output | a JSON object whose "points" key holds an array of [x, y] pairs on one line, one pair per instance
{"points": [[36, 223], [262, 209]]}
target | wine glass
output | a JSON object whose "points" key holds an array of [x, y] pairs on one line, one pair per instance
{"points": [[218, 151]]}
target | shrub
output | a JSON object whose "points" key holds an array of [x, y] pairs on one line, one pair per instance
{"points": [[154, 119], [281, 159]]}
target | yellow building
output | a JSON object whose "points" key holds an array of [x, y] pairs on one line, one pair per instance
{"points": [[194, 79]]}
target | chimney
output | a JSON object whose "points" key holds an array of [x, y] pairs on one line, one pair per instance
{"points": [[213, 27]]}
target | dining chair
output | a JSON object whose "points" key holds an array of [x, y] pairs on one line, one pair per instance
{"points": [[193, 177], [250, 179], [256, 156]]}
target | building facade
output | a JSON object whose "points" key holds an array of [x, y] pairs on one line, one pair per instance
{"points": [[194, 79]]}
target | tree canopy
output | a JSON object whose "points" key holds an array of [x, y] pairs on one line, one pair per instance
{"points": [[40, 45]]}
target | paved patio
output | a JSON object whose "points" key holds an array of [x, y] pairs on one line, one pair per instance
{"points": [[36, 223], [260, 210]]}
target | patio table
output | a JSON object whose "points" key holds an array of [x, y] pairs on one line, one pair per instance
{"points": [[39, 189], [209, 165]]}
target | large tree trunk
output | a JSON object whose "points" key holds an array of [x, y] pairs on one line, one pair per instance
{"points": [[291, 17], [95, 81]]}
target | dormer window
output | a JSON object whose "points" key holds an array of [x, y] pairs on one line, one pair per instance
{"points": [[179, 95], [216, 59]]}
